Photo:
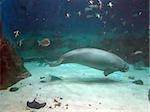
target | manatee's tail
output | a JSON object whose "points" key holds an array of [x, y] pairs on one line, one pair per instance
{"points": [[54, 63]]}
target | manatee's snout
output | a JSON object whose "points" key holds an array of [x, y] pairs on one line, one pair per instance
{"points": [[125, 68]]}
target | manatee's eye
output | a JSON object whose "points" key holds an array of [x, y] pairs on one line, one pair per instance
{"points": [[125, 68]]}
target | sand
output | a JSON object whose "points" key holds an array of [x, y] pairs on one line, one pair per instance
{"points": [[82, 88]]}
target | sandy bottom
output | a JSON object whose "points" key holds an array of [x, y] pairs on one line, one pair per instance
{"points": [[82, 89]]}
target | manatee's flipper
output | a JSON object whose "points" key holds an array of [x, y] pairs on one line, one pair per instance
{"points": [[54, 63], [108, 71]]}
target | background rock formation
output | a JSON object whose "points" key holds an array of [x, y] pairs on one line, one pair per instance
{"points": [[11, 66]]}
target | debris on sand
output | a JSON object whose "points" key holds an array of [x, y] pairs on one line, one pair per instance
{"points": [[35, 105], [42, 81], [54, 78], [56, 103], [66, 106], [13, 89], [138, 82], [42, 77], [131, 77]]}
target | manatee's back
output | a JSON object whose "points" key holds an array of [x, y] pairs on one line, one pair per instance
{"points": [[92, 57]]}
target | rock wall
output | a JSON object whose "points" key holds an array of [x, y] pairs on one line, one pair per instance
{"points": [[11, 66]]}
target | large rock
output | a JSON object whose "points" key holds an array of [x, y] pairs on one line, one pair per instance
{"points": [[11, 65]]}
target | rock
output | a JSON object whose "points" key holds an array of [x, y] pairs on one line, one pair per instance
{"points": [[66, 106], [43, 81], [11, 65], [58, 104], [42, 77], [131, 77], [149, 94], [35, 105], [13, 89], [138, 82], [50, 107], [54, 78], [61, 98]]}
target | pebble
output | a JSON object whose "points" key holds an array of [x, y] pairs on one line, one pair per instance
{"points": [[42, 77], [43, 81], [35, 105], [131, 77], [138, 82], [13, 89]]}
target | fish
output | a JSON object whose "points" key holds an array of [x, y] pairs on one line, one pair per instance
{"points": [[100, 4], [91, 1], [44, 42], [20, 43], [67, 15], [79, 13], [89, 16], [16, 33], [97, 15], [88, 9], [137, 52], [93, 6], [110, 4]]}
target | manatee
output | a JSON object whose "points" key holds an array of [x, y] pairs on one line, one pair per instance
{"points": [[94, 58]]}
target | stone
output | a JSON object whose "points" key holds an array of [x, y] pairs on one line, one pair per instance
{"points": [[42, 77], [138, 82], [42, 81], [12, 69], [131, 77], [54, 78], [35, 105], [13, 89]]}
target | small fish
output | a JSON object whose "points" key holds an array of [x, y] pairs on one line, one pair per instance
{"points": [[91, 1], [67, 15], [79, 13], [100, 4], [89, 16], [20, 43], [110, 4], [124, 23], [97, 15], [44, 43], [140, 13], [16, 33], [93, 6], [137, 52], [106, 12], [88, 9]]}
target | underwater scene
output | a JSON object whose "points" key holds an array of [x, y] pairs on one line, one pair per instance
{"points": [[74, 56]]}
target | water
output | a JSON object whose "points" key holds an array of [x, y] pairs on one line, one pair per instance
{"points": [[42, 30]]}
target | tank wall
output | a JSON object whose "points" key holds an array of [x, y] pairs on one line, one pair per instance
{"points": [[120, 27]]}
